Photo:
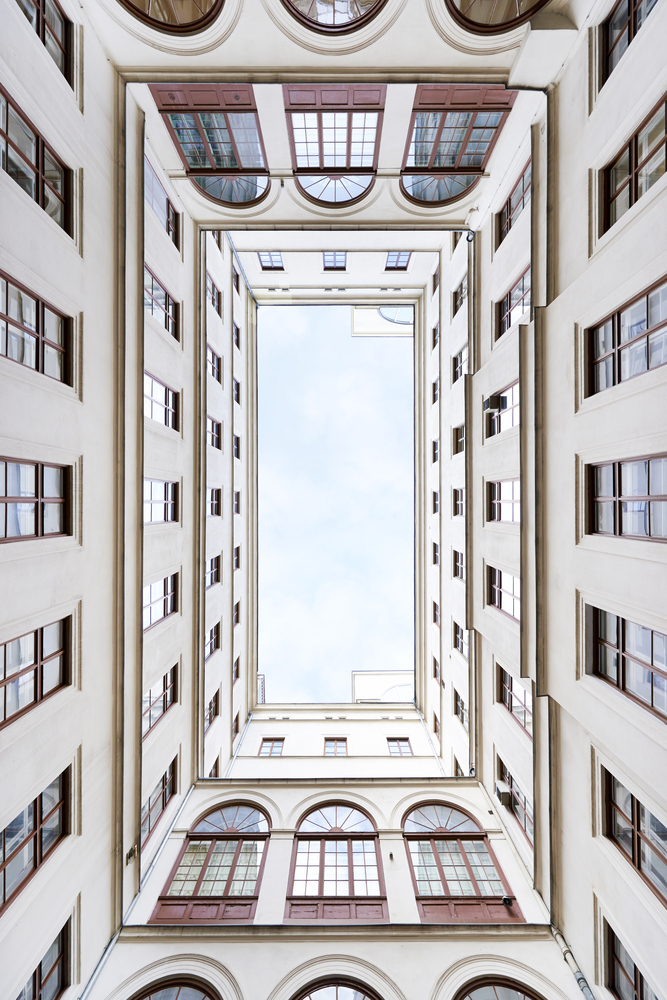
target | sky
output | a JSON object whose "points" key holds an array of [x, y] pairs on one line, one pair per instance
{"points": [[336, 502]]}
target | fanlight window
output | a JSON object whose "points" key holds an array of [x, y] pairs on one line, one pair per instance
{"points": [[175, 16], [334, 16], [220, 866], [333, 991], [177, 991], [492, 16], [452, 133], [398, 314], [217, 134], [496, 990]]}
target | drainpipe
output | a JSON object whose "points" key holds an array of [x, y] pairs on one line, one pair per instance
{"points": [[572, 963]]}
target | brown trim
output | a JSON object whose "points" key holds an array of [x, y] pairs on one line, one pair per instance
{"points": [[38, 333], [466, 991], [147, 992], [620, 654], [175, 29], [334, 29], [37, 668], [335, 176], [635, 165], [637, 836], [38, 500], [512, 216], [619, 498], [493, 29]]}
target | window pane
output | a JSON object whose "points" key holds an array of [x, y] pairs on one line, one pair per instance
{"points": [[21, 307], [54, 327], [22, 137], [307, 868], [52, 674], [608, 627], [621, 796], [622, 832], [185, 879], [638, 680], [653, 865], [603, 339], [20, 520], [651, 134], [660, 693], [365, 868], [54, 363], [21, 173], [633, 360], [619, 205], [633, 320], [608, 663], [658, 515], [483, 868], [54, 173], [425, 868], [51, 830], [638, 641], [454, 868], [53, 481], [19, 653], [604, 481], [604, 517], [20, 693], [19, 867], [20, 480], [634, 479], [604, 374], [246, 873], [218, 869], [657, 306], [336, 877], [53, 518], [651, 172], [634, 518], [21, 347]]}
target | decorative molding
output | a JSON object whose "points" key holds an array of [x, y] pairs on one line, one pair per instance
{"points": [[467, 41], [332, 966], [488, 966], [330, 44], [195, 44], [211, 973]]}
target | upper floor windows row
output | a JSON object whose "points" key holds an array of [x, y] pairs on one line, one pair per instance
{"points": [[348, 989], [333, 260], [335, 747]]}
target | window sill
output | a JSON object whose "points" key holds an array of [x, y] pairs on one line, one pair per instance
{"points": [[469, 910], [203, 910]]}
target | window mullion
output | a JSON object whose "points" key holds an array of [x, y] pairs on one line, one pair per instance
{"points": [[473, 880], [350, 869], [348, 146], [232, 139], [441, 872], [465, 142], [320, 138], [436, 141], [232, 870], [200, 878], [320, 886]]}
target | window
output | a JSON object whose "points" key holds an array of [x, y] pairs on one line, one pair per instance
{"points": [[637, 167], [514, 304], [271, 260], [436, 670], [160, 501], [214, 364], [213, 294], [236, 281], [237, 501], [458, 770], [235, 726], [502, 410], [458, 503], [456, 237], [460, 295], [460, 710], [212, 572], [397, 260], [460, 640], [436, 279], [156, 196], [152, 810], [457, 565], [436, 501], [236, 390], [32, 667], [504, 592], [222, 150], [335, 748], [436, 725], [336, 863], [159, 303], [436, 335], [334, 260], [212, 711], [32, 333], [459, 440], [399, 747], [236, 446], [631, 657], [171, 18], [436, 554], [214, 433], [236, 670], [515, 204], [33, 165], [213, 641], [236, 614], [27, 841], [638, 833], [217, 236], [624, 979], [517, 700], [177, 990], [629, 498], [159, 600], [334, 153], [496, 988], [157, 700], [53, 29], [436, 614], [630, 342], [213, 502], [34, 500], [504, 499], [451, 139], [436, 451], [160, 402], [436, 390], [271, 747], [460, 364], [237, 335], [215, 770], [518, 804], [51, 977], [620, 29], [332, 18], [236, 563]]}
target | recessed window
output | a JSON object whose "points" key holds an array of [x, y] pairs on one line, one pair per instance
{"points": [[335, 747], [518, 802], [29, 839], [436, 614], [435, 391], [456, 238], [638, 833], [513, 306], [460, 364], [156, 196], [236, 446], [436, 670], [172, 18], [460, 710], [458, 770], [54, 31], [436, 279], [154, 807], [160, 501], [460, 640], [160, 402], [436, 335], [213, 641], [436, 726], [624, 978], [631, 657], [213, 502], [332, 18], [32, 667], [459, 440], [213, 364], [157, 700], [620, 29], [34, 500], [236, 670], [236, 390], [271, 260], [214, 433], [399, 747], [236, 726], [236, 280], [213, 294], [436, 554], [460, 295], [334, 260], [51, 977], [436, 501], [33, 165], [159, 303], [629, 498], [504, 501], [236, 330], [236, 561], [504, 592], [212, 572], [212, 711], [478, 16], [630, 342], [436, 451], [502, 410], [217, 238], [515, 204], [458, 571], [397, 260], [33, 333], [458, 503], [159, 600], [271, 747], [236, 613], [639, 165], [517, 700], [237, 501]]}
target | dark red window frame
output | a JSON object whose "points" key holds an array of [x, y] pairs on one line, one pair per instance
{"points": [[36, 499], [343, 27], [153, 809], [622, 25], [43, 344], [517, 700], [625, 826], [518, 199], [518, 297], [155, 294], [269, 744], [615, 504], [18, 677], [630, 161], [158, 700], [213, 641], [624, 983], [51, 980], [613, 662], [520, 806], [402, 746], [209, 10]]}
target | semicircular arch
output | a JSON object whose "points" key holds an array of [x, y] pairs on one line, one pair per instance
{"points": [[199, 969], [468, 973], [330, 968], [319, 799]]}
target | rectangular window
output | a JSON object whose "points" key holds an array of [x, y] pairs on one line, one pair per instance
{"points": [[235, 726], [213, 294], [54, 31], [34, 500], [51, 977], [629, 498], [215, 770], [214, 433], [213, 364], [436, 335], [212, 572], [460, 710], [160, 501], [436, 670], [504, 501], [460, 640], [399, 747], [459, 440], [436, 390], [33, 333], [515, 204], [270, 260], [458, 571], [236, 614], [236, 330], [631, 657], [630, 342], [398, 260], [436, 725], [504, 592], [159, 303], [515, 303], [33, 165], [638, 166], [212, 711], [236, 390], [334, 260], [236, 280], [217, 236], [213, 502], [160, 402], [159, 600], [436, 451], [236, 446], [502, 410], [157, 700], [436, 501], [156, 196], [624, 979], [271, 748], [31, 668], [458, 503], [458, 770], [236, 563], [620, 29], [460, 364], [436, 614], [519, 804], [638, 833], [516, 700], [460, 295], [335, 748], [456, 238], [236, 670], [237, 501], [436, 554], [213, 641], [27, 841], [436, 279], [152, 810]]}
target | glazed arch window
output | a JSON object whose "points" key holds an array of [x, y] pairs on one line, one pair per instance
{"points": [[338, 991], [336, 870], [334, 17], [490, 19], [334, 132], [452, 134], [455, 872], [499, 989], [215, 129], [217, 876], [179, 990], [173, 16]]}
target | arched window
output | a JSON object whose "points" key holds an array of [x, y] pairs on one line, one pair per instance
{"points": [[455, 873], [177, 990], [215, 128], [404, 315], [337, 990], [490, 18], [175, 16], [452, 133], [336, 869], [334, 16], [334, 132], [496, 989], [216, 878]]}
